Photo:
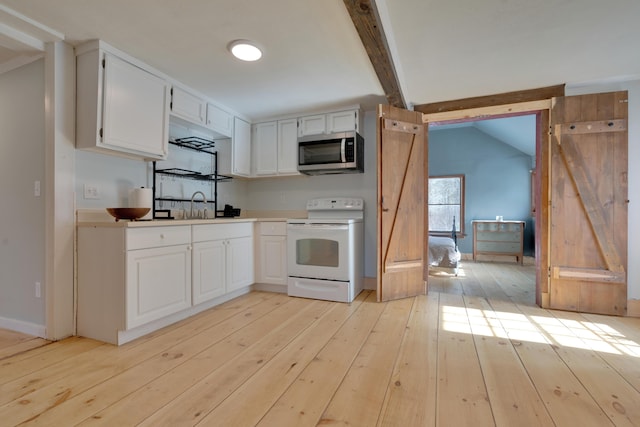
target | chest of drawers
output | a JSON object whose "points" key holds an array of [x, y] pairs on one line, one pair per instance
{"points": [[498, 238]]}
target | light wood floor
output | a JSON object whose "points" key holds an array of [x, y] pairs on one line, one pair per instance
{"points": [[12, 343], [458, 356]]}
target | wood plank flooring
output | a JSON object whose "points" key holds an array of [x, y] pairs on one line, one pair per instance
{"points": [[12, 343], [474, 351]]}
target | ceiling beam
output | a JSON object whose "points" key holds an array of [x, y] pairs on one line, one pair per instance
{"points": [[366, 20], [492, 100]]}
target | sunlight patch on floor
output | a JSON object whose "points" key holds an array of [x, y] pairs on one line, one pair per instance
{"points": [[445, 272], [538, 329]]}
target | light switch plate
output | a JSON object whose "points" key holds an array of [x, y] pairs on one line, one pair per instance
{"points": [[91, 192]]}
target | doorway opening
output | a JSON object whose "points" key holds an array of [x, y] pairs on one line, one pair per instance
{"points": [[498, 157]]}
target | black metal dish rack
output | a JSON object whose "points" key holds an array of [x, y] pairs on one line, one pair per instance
{"points": [[200, 145]]}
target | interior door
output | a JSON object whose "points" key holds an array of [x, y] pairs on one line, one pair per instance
{"points": [[402, 209], [588, 192]]}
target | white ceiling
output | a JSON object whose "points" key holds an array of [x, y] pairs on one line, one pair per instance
{"points": [[314, 60]]}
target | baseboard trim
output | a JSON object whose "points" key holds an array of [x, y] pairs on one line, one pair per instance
{"points": [[142, 330], [269, 287], [633, 308], [545, 300], [24, 327]]}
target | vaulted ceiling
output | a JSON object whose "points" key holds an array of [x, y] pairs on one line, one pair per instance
{"points": [[314, 58]]}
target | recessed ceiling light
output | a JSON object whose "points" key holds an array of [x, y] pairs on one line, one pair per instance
{"points": [[245, 50]]}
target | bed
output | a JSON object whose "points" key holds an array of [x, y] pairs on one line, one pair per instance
{"points": [[443, 251]]}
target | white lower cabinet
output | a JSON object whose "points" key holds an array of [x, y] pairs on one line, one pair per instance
{"points": [[128, 277], [158, 283], [272, 253], [135, 279], [239, 269], [208, 270], [223, 259]]}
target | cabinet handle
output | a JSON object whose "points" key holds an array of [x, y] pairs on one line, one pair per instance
{"points": [[162, 236]]}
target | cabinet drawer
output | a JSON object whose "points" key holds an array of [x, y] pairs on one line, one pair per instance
{"points": [[270, 228], [498, 226], [206, 232], [507, 236], [153, 237], [498, 247]]}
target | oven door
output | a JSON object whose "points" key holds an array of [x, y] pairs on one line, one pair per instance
{"points": [[318, 251]]}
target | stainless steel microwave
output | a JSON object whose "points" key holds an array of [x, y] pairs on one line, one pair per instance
{"points": [[331, 154]]}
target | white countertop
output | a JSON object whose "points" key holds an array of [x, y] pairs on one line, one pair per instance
{"points": [[164, 222], [100, 218]]}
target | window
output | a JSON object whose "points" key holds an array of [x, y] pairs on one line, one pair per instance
{"points": [[446, 203]]}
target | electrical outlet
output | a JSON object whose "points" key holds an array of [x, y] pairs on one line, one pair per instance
{"points": [[36, 189], [38, 290], [91, 192]]}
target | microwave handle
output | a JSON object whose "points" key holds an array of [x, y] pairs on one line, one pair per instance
{"points": [[343, 154]]}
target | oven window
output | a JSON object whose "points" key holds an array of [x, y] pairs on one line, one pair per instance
{"points": [[317, 252]]}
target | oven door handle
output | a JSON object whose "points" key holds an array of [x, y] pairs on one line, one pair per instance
{"points": [[318, 227]]}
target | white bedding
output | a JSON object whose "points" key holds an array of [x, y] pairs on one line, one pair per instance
{"points": [[443, 252]]}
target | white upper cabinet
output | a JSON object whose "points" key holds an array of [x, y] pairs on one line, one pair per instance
{"points": [[188, 106], [275, 148], [264, 140], [241, 148], [312, 125], [339, 121], [194, 109], [121, 108], [288, 147], [219, 120], [343, 121]]}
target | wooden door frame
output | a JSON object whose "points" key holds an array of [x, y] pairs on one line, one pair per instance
{"points": [[542, 110]]}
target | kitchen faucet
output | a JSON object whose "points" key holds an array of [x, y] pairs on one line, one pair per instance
{"points": [[204, 200]]}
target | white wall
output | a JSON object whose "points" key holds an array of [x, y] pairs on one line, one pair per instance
{"points": [[22, 216], [633, 86]]}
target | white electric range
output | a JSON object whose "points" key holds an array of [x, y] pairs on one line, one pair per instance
{"points": [[326, 251]]}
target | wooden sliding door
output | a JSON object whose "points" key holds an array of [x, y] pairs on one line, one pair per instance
{"points": [[402, 207], [588, 193]]}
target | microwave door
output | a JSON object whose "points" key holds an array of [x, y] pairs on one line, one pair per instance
{"points": [[321, 153]]}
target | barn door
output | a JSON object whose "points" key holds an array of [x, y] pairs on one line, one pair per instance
{"points": [[588, 192], [402, 171]]}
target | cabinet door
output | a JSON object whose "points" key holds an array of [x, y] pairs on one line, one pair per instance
{"points": [[312, 125], [265, 144], [288, 147], [342, 121], [208, 270], [158, 283], [188, 106], [135, 110], [239, 263], [219, 120], [273, 260], [241, 150]]}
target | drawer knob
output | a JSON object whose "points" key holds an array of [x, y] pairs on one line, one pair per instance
{"points": [[162, 236]]}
